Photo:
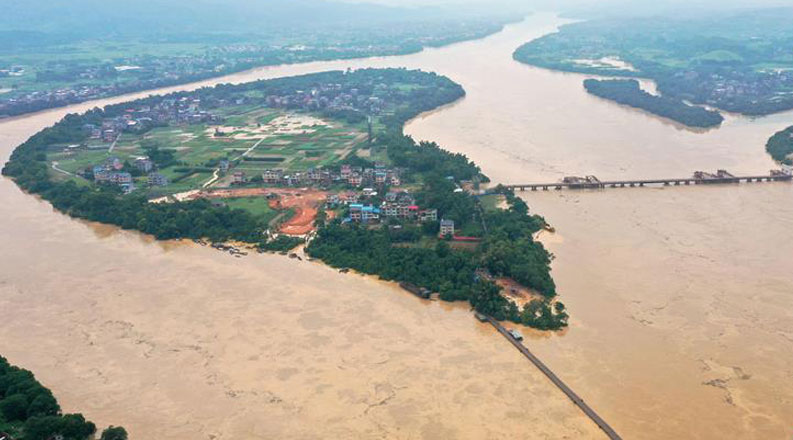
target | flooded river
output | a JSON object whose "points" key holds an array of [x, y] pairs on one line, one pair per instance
{"points": [[681, 298]]}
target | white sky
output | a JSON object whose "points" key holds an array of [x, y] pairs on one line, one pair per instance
{"points": [[592, 4]]}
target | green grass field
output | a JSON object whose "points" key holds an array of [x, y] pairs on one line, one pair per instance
{"points": [[284, 140], [255, 205], [491, 202]]}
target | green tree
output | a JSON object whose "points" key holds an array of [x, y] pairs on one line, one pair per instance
{"points": [[14, 407], [43, 405], [114, 433]]}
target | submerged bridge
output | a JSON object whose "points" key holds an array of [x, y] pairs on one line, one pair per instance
{"points": [[699, 178], [577, 401]]}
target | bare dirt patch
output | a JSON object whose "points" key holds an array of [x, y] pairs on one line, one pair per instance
{"points": [[304, 202]]}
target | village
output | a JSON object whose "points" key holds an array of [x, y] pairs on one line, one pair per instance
{"points": [[286, 155]]}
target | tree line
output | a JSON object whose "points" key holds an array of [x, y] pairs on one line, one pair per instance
{"points": [[780, 146], [29, 411], [628, 92]]}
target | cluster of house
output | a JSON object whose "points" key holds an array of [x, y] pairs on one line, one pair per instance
{"points": [[396, 205], [111, 171], [91, 81], [769, 84], [352, 176], [334, 97], [184, 110]]}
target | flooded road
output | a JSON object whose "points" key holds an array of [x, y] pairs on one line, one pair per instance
{"points": [[681, 298]]}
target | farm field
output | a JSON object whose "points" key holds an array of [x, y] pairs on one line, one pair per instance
{"points": [[252, 139]]}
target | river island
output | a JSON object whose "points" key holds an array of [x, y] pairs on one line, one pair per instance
{"points": [[319, 158]]}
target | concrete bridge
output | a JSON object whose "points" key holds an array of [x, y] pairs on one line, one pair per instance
{"points": [[699, 178]]}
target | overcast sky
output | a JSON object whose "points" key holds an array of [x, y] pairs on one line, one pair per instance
{"points": [[610, 6]]}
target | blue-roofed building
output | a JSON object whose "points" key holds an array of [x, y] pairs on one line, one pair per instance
{"points": [[364, 214], [101, 174]]}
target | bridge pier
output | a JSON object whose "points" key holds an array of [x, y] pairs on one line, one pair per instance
{"points": [[593, 183]]}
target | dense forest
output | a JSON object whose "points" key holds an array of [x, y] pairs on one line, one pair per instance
{"points": [[738, 62], [780, 146], [29, 411], [629, 92], [507, 247]]}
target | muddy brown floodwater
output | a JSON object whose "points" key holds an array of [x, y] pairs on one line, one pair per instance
{"points": [[682, 298]]}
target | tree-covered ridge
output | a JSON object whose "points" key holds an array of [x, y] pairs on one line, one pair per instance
{"points": [[29, 411], [629, 92], [780, 146], [738, 63]]}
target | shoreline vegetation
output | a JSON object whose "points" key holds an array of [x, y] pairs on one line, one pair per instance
{"points": [[780, 146], [29, 411], [628, 92], [724, 61], [500, 242]]}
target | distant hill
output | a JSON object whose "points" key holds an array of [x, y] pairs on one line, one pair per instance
{"points": [[119, 17]]}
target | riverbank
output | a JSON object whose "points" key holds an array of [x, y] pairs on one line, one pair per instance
{"points": [[628, 92], [689, 294], [257, 347]]}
